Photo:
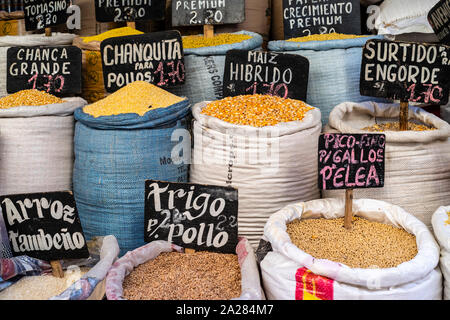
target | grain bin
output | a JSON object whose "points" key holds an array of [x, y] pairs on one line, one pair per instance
{"points": [[417, 163], [290, 273], [441, 228]]}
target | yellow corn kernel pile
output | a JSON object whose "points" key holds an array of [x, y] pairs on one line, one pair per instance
{"points": [[195, 41], [119, 32], [137, 97], [257, 110], [447, 222], [324, 37], [31, 97]]}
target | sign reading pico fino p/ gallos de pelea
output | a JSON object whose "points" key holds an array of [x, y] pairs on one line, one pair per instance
{"points": [[153, 57], [41, 14], [349, 161], [129, 10], [194, 216]]}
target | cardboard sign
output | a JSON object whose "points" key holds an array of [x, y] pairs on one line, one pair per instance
{"points": [[55, 70], [201, 12], [41, 14], [153, 57], [350, 161], [406, 71], [252, 72], [306, 17], [45, 226], [439, 19], [194, 216], [125, 10]]}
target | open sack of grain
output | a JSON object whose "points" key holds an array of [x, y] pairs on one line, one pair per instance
{"points": [[162, 271], [260, 145], [84, 279], [417, 172], [36, 142], [334, 68], [204, 61], [389, 254], [441, 228], [119, 143]]}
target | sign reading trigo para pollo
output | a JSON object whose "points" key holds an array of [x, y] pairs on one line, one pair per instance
{"points": [[153, 57]]}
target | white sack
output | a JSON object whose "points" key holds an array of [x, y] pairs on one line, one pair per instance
{"points": [[441, 229]]}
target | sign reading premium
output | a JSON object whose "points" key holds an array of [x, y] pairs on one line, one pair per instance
{"points": [[349, 161], [260, 72], [153, 57], [211, 12], [55, 70], [406, 71], [306, 17], [129, 10], [439, 19], [194, 216], [41, 14], [44, 225]]}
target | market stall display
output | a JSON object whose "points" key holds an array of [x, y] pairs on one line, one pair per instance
{"points": [[441, 228]]}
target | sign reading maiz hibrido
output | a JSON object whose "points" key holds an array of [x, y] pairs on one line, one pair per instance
{"points": [[305, 17], [41, 14], [153, 57], [129, 10], [194, 216]]}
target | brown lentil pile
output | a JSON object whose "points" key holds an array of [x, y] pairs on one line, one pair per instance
{"points": [[395, 126], [368, 245], [199, 41], [257, 110], [31, 97], [185, 276]]}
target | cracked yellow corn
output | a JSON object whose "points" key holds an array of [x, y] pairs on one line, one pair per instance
{"points": [[31, 97], [447, 222], [41, 287], [395, 126], [257, 110], [185, 276], [137, 97], [368, 245], [325, 37], [118, 32], [198, 41]]}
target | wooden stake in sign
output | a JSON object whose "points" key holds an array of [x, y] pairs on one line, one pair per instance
{"points": [[404, 115], [48, 32], [348, 209], [208, 31], [57, 270], [131, 25]]}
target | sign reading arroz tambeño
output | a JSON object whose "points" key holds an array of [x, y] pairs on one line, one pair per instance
{"points": [[406, 71], [306, 17], [129, 10], [55, 70], [260, 72], [153, 57], [41, 14], [439, 19], [45, 225], [194, 216], [350, 161], [202, 12]]}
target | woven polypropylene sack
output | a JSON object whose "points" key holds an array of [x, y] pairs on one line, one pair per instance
{"points": [[334, 70], [57, 39], [270, 166], [289, 273], [250, 280], [441, 228], [205, 67], [417, 163], [114, 155], [36, 147]]}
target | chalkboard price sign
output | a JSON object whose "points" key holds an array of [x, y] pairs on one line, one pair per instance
{"points": [[55, 70], [153, 57], [406, 71], [349, 161], [41, 14], [306, 17], [200, 217], [439, 19], [259, 72], [126, 10], [44, 225], [207, 12]]}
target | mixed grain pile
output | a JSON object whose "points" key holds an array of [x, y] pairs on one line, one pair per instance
{"points": [[368, 245], [395, 126], [185, 276]]}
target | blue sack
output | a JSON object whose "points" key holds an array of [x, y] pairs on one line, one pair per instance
{"points": [[114, 155]]}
